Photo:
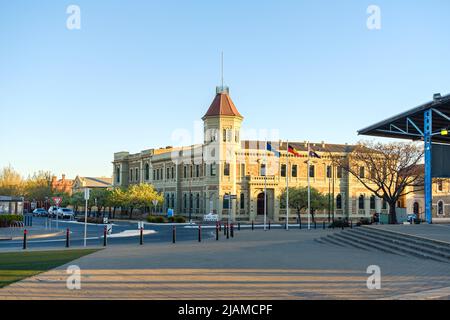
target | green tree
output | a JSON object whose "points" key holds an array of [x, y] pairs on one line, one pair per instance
{"points": [[298, 199], [11, 182], [99, 198], [38, 186], [140, 196], [77, 200], [117, 198]]}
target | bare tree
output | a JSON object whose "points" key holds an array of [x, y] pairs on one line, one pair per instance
{"points": [[389, 170]]}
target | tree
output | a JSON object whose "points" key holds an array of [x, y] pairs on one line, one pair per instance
{"points": [[117, 198], [99, 198], [38, 186], [389, 170], [77, 200], [140, 196], [11, 183], [298, 199]]}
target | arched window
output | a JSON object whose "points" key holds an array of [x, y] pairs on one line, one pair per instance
{"points": [[185, 201], [440, 210], [118, 174], [372, 202], [242, 201], [338, 202], [147, 171], [361, 202], [197, 201]]}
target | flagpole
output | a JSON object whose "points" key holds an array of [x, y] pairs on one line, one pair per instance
{"points": [[309, 191], [287, 185], [265, 187]]}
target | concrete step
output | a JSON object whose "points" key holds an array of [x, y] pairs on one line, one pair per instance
{"points": [[445, 246], [404, 241], [387, 246], [337, 239]]}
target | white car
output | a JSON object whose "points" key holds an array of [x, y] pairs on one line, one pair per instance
{"points": [[65, 213], [211, 217], [52, 211]]}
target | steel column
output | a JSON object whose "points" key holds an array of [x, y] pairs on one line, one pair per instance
{"points": [[428, 129]]}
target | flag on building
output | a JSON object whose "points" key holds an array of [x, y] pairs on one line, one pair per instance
{"points": [[293, 151], [271, 149], [313, 154]]}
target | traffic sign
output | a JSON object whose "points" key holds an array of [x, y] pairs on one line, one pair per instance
{"points": [[155, 202], [86, 194], [57, 200]]}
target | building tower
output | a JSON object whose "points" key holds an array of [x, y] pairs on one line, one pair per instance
{"points": [[222, 126]]}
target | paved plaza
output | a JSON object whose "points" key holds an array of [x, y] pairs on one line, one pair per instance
{"points": [[275, 264]]}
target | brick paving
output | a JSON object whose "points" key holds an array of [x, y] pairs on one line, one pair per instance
{"points": [[254, 265]]}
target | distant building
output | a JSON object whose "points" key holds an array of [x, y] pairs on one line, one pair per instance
{"points": [[197, 179], [81, 183], [414, 202], [61, 185]]}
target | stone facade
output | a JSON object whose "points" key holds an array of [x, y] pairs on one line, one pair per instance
{"points": [[195, 179]]}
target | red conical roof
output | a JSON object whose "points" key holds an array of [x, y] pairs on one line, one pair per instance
{"points": [[222, 105]]}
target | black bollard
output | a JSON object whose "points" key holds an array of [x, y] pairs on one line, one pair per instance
{"points": [[239, 226], [228, 231], [253, 225], [269, 224], [351, 224], [225, 226], [300, 224], [67, 238], [315, 225], [220, 226], [342, 225], [24, 239], [141, 238], [217, 232], [174, 234], [323, 225], [199, 233], [232, 230], [104, 236]]}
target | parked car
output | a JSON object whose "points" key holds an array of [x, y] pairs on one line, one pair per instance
{"points": [[40, 212], [65, 213], [52, 211]]}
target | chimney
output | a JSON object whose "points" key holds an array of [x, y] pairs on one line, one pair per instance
{"points": [[323, 144], [437, 97]]}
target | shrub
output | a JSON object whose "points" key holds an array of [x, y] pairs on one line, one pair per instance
{"points": [[156, 219], [339, 223], [7, 220], [91, 220], [179, 219], [364, 222]]}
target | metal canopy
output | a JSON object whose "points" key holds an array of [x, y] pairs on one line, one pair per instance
{"points": [[430, 123], [410, 124]]}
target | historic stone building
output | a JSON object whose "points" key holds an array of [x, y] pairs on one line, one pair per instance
{"points": [[196, 179]]}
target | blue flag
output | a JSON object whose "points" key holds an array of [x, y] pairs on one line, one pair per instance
{"points": [[275, 152]]}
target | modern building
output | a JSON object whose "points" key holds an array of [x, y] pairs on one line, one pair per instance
{"points": [[81, 183], [196, 179]]}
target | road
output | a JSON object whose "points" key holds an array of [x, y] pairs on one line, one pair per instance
{"points": [[162, 233]]}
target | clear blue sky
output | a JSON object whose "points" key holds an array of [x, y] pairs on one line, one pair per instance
{"points": [[138, 70]]}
